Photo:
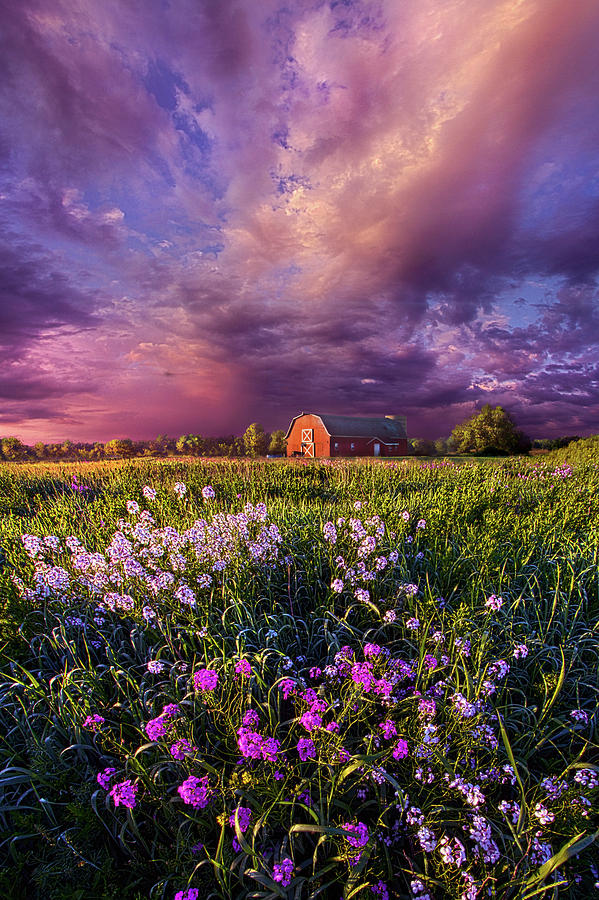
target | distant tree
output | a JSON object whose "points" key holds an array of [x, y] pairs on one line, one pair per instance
{"points": [[441, 447], [278, 444], [491, 432], [191, 445], [254, 440], [13, 449], [40, 450], [422, 447], [124, 448], [97, 451]]}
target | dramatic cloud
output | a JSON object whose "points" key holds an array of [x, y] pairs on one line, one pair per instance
{"points": [[217, 212]]}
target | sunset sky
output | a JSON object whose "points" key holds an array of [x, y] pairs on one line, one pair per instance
{"points": [[222, 211]]}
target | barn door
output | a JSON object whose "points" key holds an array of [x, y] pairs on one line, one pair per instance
{"points": [[308, 442], [308, 449], [377, 449]]}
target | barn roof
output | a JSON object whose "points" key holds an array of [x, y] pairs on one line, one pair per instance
{"points": [[388, 428]]}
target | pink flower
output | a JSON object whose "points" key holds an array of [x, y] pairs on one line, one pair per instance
{"points": [[205, 680]]}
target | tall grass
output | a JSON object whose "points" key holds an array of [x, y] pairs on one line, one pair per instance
{"points": [[401, 702]]}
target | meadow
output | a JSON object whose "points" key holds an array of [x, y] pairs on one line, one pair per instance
{"points": [[239, 679]]}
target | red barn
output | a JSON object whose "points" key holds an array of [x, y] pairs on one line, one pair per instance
{"points": [[312, 435]]}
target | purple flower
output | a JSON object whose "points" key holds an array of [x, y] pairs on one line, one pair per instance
{"points": [[494, 603], [189, 894], [156, 667], [149, 492], [421, 523], [94, 722], [156, 728], [311, 721], [124, 793], [205, 680], [413, 624], [250, 718], [180, 489], [400, 751], [171, 710], [181, 748], [242, 667], [359, 834], [337, 585], [196, 791], [208, 492], [244, 814], [306, 749], [287, 687], [283, 871], [389, 729], [104, 777]]}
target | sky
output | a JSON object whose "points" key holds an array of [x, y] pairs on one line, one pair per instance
{"points": [[216, 212]]}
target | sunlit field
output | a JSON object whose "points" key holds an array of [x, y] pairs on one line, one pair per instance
{"points": [[235, 679]]}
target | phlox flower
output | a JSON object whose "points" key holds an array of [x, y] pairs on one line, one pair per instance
{"points": [[427, 839], [205, 679], [306, 749], [104, 777], [359, 834], [390, 616], [542, 814], [149, 492], [195, 791], [244, 814], [94, 722], [180, 489], [337, 586], [405, 515], [123, 793], [132, 506], [250, 718], [171, 710], [181, 748], [189, 894], [520, 651], [208, 492], [389, 729], [156, 728], [311, 721], [381, 890], [242, 667], [156, 667], [413, 624], [452, 851], [494, 603], [282, 872], [579, 715], [421, 524], [401, 750]]}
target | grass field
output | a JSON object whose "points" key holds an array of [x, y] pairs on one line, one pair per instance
{"points": [[303, 680]]}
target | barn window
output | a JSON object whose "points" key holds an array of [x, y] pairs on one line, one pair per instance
{"points": [[336, 445], [352, 446]]}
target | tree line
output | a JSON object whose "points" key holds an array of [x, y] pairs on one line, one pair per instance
{"points": [[254, 442]]}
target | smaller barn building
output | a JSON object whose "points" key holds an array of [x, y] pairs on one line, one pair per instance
{"points": [[312, 434]]}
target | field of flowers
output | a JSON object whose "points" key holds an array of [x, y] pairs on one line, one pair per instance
{"points": [[299, 680]]}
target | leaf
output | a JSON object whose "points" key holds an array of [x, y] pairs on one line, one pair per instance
{"points": [[574, 846]]}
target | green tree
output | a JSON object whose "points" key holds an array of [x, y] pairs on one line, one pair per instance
{"points": [[13, 449], [278, 444], [191, 445], [441, 447], [124, 448], [422, 447], [491, 431], [254, 440]]}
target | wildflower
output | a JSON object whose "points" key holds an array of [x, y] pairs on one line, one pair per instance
{"points": [[400, 751], [132, 506], [587, 778], [156, 728], [244, 814], [149, 492], [389, 729], [579, 715], [542, 814], [452, 851], [283, 871], [180, 489], [413, 624], [156, 667], [311, 721], [380, 889], [430, 662], [148, 614], [196, 791], [494, 603], [250, 718], [181, 748], [427, 839], [337, 586], [242, 667], [306, 749], [405, 515], [390, 616], [315, 672], [124, 793], [329, 532], [208, 492], [410, 589], [520, 651], [421, 524], [362, 595], [205, 679], [170, 710], [189, 894], [359, 834], [104, 777], [94, 722]]}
